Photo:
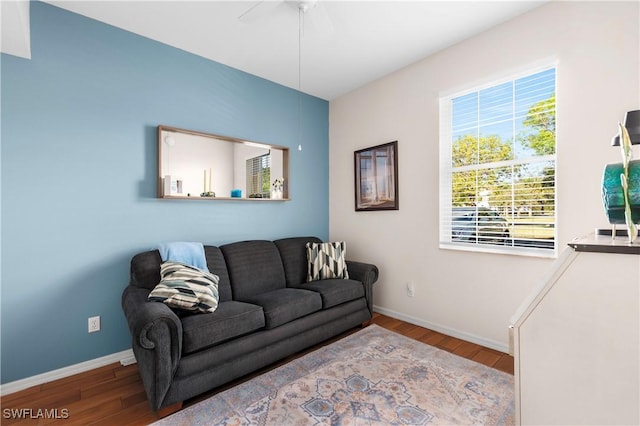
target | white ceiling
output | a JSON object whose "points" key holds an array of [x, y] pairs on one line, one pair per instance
{"points": [[346, 44], [14, 23]]}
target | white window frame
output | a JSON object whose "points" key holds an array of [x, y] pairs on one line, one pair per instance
{"points": [[446, 172]]}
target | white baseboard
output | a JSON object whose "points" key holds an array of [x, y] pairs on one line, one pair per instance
{"points": [[498, 346], [124, 357]]}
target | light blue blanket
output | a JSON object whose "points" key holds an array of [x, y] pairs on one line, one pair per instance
{"points": [[184, 252]]}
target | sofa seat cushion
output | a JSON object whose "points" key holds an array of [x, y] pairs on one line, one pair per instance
{"points": [[286, 304], [335, 291], [231, 319]]}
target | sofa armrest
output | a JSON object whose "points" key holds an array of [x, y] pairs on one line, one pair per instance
{"points": [[367, 274], [156, 333]]}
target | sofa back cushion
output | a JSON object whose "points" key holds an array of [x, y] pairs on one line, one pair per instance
{"points": [[218, 266], [255, 267], [145, 270], [293, 252]]}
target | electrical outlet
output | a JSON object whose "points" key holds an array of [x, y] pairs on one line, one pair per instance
{"points": [[94, 324], [410, 289]]}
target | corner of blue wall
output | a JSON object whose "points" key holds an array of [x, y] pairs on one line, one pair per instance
{"points": [[79, 167]]}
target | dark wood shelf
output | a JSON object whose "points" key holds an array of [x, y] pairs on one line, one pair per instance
{"points": [[197, 197], [601, 241]]}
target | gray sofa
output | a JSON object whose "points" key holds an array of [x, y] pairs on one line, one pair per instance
{"points": [[266, 312]]}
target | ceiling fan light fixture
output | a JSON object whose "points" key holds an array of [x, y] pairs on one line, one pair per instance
{"points": [[303, 5]]}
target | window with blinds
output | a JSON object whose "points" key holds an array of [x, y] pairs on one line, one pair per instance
{"points": [[259, 176], [497, 167]]}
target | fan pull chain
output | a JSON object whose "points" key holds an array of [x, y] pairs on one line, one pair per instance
{"points": [[300, 36]]}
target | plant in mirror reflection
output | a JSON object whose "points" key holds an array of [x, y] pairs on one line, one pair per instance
{"points": [[278, 184]]}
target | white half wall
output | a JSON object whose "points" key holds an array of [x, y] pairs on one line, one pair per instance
{"points": [[596, 48]]}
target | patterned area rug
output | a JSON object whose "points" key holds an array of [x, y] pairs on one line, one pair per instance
{"points": [[372, 377]]}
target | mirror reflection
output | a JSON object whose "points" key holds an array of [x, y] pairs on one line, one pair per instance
{"points": [[205, 166]]}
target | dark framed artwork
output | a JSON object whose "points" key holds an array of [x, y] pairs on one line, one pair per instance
{"points": [[376, 177]]}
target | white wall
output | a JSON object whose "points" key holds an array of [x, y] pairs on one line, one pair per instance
{"points": [[473, 295]]}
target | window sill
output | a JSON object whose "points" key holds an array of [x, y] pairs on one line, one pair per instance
{"points": [[508, 250]]}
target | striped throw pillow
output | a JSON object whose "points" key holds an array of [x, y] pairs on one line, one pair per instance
{"points": [[186, 287], [326, 260]]}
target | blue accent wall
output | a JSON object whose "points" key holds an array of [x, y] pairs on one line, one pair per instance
{"points": [[79, 167]]}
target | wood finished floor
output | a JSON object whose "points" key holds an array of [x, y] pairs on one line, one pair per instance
{"points": [[113, 395]]}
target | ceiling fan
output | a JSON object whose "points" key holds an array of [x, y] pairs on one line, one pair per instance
{"points": [[313, 9], [318, 16]]}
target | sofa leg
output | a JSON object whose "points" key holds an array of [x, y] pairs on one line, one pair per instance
{"points": [[166, 411], [365, 324]]}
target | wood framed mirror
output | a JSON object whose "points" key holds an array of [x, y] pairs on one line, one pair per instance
{"points": [[203, 166]]}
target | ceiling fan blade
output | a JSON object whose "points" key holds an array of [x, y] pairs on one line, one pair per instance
{"points": [[259, 10], [320, 19]]}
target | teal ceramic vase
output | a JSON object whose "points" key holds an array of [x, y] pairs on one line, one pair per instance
{"points": [[613, 194]]}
